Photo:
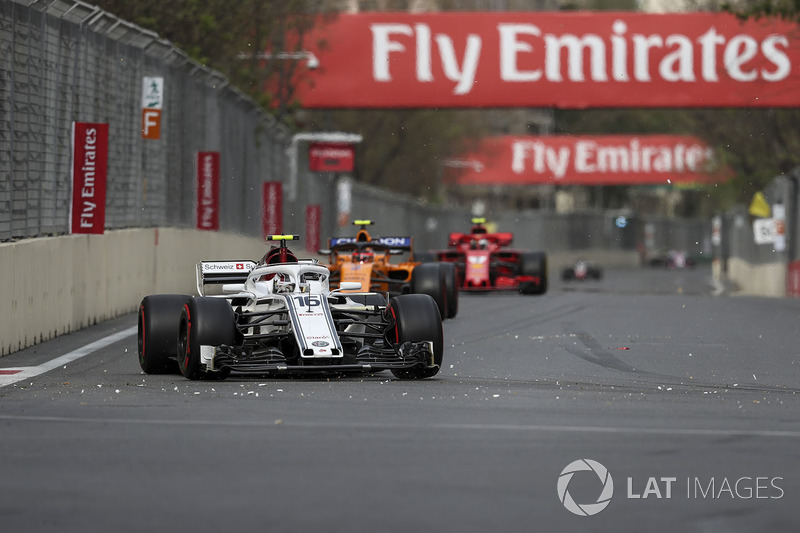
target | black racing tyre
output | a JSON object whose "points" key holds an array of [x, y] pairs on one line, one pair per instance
{"points": [[159, 318], [451, 288], [567, 274], [428, 278], [204, 321], [533, 264], [416, 318]]}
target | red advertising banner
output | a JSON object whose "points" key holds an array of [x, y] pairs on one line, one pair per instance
{"points": [[793, 279], [313, 220], [272, 208], [331, 157], [208, 191], [551, 59], [585, 160], [89, 175]]}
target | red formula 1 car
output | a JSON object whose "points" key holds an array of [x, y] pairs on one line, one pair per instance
{"points": [[484, 261]]}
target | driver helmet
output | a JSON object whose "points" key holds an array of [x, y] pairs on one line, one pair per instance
{"points": [[273, 256], [363, 256]]}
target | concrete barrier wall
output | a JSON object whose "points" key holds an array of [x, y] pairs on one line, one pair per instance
{"points": [[52, 286], [605, 258], [56, 285], [757, 279]]}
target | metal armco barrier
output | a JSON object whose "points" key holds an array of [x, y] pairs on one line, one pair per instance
{"points": [[65, 61]]}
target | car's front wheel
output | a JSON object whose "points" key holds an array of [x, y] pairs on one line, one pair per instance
{"points": [[159, 317], [204, 322], [415, 318]]}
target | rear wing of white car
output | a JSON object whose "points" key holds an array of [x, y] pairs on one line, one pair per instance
{"points": [[211, 275]]}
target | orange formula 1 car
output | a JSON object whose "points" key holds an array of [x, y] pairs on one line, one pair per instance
{"points": [[485, 262], [367, 260]]}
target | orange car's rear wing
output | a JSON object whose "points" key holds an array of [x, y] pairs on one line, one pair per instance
{"points": [[399, 243]]}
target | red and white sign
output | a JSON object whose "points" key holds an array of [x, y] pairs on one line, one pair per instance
{"points": [[208, 191], [89, 168], [585, 160], [152, 103], [272, 210], [151, 124], [331, 157], [551, 59], [313, 221]]}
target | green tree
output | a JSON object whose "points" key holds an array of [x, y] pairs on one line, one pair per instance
{"points": [[403, 148], [249, 41], [786, 9]]}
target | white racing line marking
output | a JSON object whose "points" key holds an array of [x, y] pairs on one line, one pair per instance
{"points": [[13, 375], [686, 432]]}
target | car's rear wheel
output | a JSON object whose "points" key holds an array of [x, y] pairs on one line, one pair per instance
{"points": [[533, 264], [424, 257], [451, 288], [416, 318], [159, 318], [428, 278], [204, 322]]}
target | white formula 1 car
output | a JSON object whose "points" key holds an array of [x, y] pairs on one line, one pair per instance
{"points": [[278, 316]]}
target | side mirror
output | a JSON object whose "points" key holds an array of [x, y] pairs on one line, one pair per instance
{"points": [[349, 286], [324, 251]]}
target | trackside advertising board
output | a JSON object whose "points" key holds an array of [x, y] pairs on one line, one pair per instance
{"points": [[272, 208], [587, 160], [331, 157], [552, 59], [208, 191], [313, 222], [89, 175]]}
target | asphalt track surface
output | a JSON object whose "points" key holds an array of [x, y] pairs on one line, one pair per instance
{"points": [[689, 399]]}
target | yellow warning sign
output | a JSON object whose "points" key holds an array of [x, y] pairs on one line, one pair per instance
{"points": [[759, 207]]}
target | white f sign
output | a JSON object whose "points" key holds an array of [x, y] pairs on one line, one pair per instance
{"points": [[152, 103]]}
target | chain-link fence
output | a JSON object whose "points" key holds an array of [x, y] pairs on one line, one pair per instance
{"points": [[65, 60]]}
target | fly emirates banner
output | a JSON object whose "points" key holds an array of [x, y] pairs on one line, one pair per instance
{"points": [[587, 160], [551, 59]]}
